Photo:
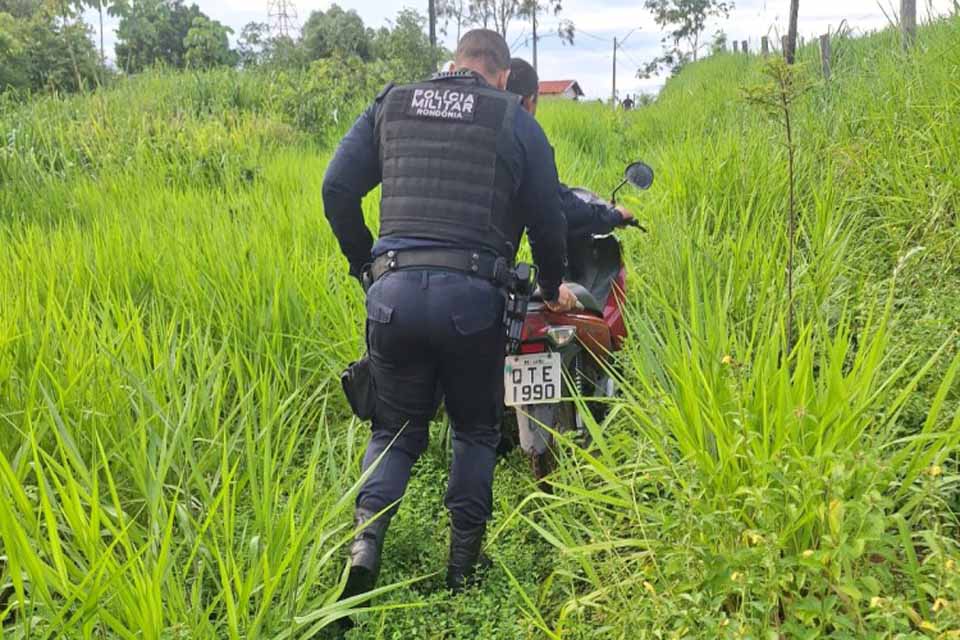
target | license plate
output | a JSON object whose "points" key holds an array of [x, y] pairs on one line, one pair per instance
{"points": [[532, 379]]}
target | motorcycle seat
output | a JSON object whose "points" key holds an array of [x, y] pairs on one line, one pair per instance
{"points": [[588, 300]]}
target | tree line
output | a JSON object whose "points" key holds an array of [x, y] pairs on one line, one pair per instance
{"points": [[499, 15], [47, 46]]}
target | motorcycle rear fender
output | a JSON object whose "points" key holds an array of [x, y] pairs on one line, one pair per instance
{"points": [[592, 332], [534, 438]]}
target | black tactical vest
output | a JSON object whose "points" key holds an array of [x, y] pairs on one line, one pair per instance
{"points": [[443, 146]]}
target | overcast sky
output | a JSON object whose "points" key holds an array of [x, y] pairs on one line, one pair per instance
{"points": [[598, 22]]}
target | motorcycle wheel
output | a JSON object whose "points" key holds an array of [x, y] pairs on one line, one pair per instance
{"points": [[543, 464], [509, 433]]}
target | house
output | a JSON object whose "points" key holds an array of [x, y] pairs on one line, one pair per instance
{"points": [[566, 89]]}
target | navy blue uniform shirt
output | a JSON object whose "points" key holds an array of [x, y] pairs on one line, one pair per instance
{"points": [[355, 170]]}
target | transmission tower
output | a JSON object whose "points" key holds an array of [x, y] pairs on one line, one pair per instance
{"points": [[283, 18]]}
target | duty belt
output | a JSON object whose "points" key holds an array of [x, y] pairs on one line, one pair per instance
{"points": [[475, 263]]}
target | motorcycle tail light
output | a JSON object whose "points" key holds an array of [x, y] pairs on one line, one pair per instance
{"points": [[561, 336], [532, 347]]}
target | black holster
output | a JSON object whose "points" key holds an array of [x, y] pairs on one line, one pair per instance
{"points": [[358, 387], [519, 290], [366, 278]]}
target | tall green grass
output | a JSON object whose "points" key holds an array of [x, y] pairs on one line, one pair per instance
{"points": [[738, 489], [175, 455], [176, 460], [169, 453], [172, 323]]}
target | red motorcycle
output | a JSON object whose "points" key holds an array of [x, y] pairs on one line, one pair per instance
{"points": [[562, 355]]}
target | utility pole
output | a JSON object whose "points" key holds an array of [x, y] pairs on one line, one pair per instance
{"points": [[432, 10], [613, 99], [791, 53], [616, 45], [103, 57], [908, 21], [535, 35]]}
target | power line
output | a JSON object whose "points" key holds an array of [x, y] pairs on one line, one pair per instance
{"points": [[590, 35], [613, 94], [624, 41], [602, 52], [631, 58], [552, 32], [517, 40]]}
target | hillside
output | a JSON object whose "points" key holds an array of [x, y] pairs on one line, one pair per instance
{"points": [[176, 460]]}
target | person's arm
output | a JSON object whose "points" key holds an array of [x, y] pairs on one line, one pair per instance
{"points": [[353, 172], [585, 219], [539, 199]]}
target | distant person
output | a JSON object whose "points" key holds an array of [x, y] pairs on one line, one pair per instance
{"points": [[464, 171], [582, 218], [628, 104]]}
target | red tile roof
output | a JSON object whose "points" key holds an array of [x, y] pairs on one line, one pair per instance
{"points": [[558, 87]]}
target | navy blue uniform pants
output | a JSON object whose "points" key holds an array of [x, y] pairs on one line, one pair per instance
{"points": [[432, 331]]}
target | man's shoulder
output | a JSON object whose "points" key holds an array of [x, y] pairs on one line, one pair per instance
{"points": [[526, 128]]}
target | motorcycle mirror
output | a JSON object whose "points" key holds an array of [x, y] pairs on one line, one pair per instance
{"points": [[640, 175]]}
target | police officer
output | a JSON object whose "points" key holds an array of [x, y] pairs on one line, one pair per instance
{"points": [[583, 218], [464, 170]]}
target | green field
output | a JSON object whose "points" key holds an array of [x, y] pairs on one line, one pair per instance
{"points": [[176, 460]]}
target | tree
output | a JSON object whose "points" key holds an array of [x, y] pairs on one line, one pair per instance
{"points": [[40, 49], [153, 31], [719, 42], [103, 53], [481, 13], [778, 97], [12, 66], [254, 44], [532, 9], [457, 11], [685, 22], [336, 31], [406, 48], [69, 14], [208, 45], [100, 6], [496, 14], [285, 52], [20, 9], [503, 12]]}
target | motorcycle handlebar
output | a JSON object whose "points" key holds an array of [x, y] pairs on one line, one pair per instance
{"points": [[633, 222]]}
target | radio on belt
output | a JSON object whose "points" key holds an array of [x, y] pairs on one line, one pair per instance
{"points": [[518, 299]]}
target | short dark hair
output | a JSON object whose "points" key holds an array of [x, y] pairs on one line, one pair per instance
{"points": [[485, 46], [523, 79]]}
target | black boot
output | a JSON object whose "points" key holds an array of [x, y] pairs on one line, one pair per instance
{"points": [[466, 557], [365, 552]]}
